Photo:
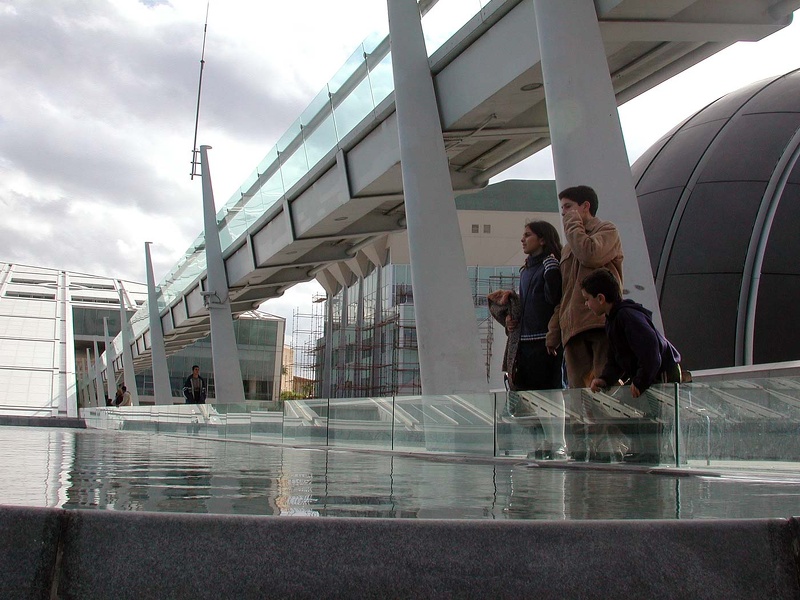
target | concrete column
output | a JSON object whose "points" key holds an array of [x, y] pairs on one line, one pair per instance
{"points": [[68, 392], [98, 377], [588, 147], [91, 395], [224, 352], [111, 377], [127, 356], [158, 354], [447, 330]]}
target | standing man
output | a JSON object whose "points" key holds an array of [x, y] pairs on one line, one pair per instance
{"points": [[194, 390], [590, 244]]}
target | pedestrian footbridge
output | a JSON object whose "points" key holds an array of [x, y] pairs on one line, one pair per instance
{"points": [[323, 200]]}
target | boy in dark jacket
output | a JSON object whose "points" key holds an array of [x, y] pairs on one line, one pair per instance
{"points": [[637, 350]]}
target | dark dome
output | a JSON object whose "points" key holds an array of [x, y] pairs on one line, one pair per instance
{"points": [[720, 202]]}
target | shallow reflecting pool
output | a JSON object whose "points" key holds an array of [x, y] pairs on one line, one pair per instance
{"points": [[91, 469]]}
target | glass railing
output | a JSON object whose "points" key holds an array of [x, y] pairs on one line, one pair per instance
{"points": [[753, 421]]}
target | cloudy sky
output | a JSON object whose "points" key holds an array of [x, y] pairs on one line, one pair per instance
{"points": [[98, 110]]}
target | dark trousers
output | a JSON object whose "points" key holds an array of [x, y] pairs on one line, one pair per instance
{"points": [[535, 369]]}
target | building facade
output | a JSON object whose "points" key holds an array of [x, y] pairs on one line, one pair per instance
{"points": [[365, 338], [52, 332]]}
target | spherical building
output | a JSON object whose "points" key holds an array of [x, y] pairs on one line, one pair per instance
{"points": [[720, 202]]}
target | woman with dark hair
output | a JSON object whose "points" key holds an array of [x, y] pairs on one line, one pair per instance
{"points": [[526, 316], [539, 294]]}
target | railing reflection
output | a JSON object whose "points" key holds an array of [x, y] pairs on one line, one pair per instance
{"points": [[743, 420]]}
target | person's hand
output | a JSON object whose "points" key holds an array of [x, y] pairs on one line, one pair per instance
{"points": [[511, 324], [552, 350], [598, 384], [635, 391]]}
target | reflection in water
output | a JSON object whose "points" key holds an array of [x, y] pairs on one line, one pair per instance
{"points": [[90, 469]]}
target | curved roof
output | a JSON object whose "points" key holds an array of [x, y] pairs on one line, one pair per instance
{"points": [[720, 202]]}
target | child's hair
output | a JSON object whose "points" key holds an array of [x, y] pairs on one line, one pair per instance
{"points": [[602, 281], [581, 194], [549, 235]]}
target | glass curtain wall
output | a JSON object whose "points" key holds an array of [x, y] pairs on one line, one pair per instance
{"points": [[374, 336]]}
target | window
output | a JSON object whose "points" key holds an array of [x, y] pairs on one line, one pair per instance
{"points": [[487, 229], [95, 300], [476, 229], [32, 295]]}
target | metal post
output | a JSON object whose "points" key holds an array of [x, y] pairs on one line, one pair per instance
{"points": [[677, 425], [224, 351], [90, 392], [447, 331], [158, 354], [98, 376], [111, 377]]}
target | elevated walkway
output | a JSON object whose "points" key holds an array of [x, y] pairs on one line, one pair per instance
{"points": [[323, 201]]}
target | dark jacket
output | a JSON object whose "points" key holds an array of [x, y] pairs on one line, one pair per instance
{"points": [[539, 293], [637, 350], [187, 391]]}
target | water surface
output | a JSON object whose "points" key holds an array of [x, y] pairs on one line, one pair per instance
{"points": [[94, 469]]}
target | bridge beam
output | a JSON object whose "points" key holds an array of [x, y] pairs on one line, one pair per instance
{"points": [[158, 352], [447, 331], [127, 353]]}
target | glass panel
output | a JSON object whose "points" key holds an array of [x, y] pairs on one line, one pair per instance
{"points": [[270, 193], [234, 420], [234, 224], [351, 110], [293, 167], [381, 79], [377, 38], [360, 423], [271, 166], [305, 422], [444, 19], [266, 422], [409, 429], [342, 81], [321, 140], [456, 423], [294, 164], [729, 423]]}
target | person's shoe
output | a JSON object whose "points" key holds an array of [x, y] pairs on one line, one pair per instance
{"points": [[642, 458]]}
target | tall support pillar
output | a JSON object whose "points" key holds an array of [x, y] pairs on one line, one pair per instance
{"points": [[98, 377], [127, 357], [111, 379], [447, 331], [91, 394], [586, 136], [158, 353], [224, 352]]}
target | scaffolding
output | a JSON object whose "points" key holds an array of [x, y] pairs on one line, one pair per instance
{"points": [[362, 355]]}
